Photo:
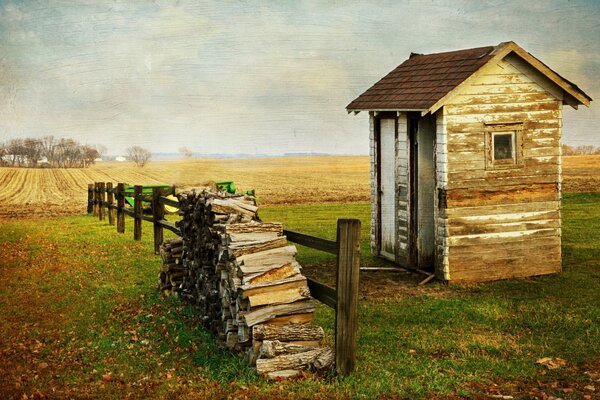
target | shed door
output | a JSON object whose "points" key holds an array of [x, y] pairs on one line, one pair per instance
{"points": [[387, 198]]}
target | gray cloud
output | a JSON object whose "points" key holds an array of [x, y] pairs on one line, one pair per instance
{"points": [[238, 77]]}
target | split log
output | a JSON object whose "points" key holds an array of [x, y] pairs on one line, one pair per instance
{"points": [[285, 271], [292, 361], [266, 313], [296, 281], [303, 318], [279, 297], [290, 332], [237, 250], [274, 348]]}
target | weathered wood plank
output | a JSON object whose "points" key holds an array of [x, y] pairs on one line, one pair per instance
{"points": [[503, 195], [507, 270], [490, 180], [137, 213], [168, 202], [542, 247], [485, 239], [484, 228], [515, 216], [322, 293], [488, 108], [170, 226], [481, 210], [110, 201], [325, 245], [158, 214], [474, 97], [120, 208], [502, 117], [90, 198], [102, 200], [348, 269]]}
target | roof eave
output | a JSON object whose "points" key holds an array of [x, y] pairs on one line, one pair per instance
{"points": [[357, 110]]}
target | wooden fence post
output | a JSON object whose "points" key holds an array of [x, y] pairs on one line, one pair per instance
{"points": [[120, 207], [346, 313], [102, 200], [95, 199], [137, 209], [158, 213], [111, 203], [90, 203]]}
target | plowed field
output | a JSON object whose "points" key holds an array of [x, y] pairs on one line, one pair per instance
{"points": [[289, 180]]}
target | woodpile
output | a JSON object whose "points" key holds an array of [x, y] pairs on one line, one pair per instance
{"points": [[244, 280], [170, 276]]}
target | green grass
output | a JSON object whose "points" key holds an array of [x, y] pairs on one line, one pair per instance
{"points": [[79, 297]]}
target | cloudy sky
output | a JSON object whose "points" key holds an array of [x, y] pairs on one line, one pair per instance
{"points": [[255, 77]]}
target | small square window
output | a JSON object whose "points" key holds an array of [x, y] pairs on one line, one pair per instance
{"points": [[504, 148]]}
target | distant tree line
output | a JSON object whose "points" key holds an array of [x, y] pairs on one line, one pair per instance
{"points": [[579, 150], [48, 152]]}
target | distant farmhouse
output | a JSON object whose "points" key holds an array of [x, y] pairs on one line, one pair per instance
{"points": [[466, 163]]}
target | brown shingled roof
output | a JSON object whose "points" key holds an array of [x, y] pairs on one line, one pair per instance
{"points": [[422, 80]]}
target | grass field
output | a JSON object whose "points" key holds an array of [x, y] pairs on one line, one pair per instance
{"points": [[283, 180], [81, 318]]}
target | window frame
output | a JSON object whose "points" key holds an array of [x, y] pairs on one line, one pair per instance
{"points": [[515, 129]]}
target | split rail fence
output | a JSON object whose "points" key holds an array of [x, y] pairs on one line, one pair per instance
{"points": [[107, 202]]}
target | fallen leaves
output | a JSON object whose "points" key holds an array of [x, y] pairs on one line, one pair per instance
{"points": [[552, 362]]}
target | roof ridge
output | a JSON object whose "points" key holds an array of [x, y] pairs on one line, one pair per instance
{"points": [[444, 53]]}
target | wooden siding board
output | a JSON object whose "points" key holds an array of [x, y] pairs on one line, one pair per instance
{"points": [[483, 228], [486, 210]]}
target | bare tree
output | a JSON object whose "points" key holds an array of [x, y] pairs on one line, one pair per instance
{"points": [[89, 155], [185, 152], [584, 150], [139, 155], [33, 150], [567, 150], [16, 152], [69, 153], [49, 150], [3, 155]]}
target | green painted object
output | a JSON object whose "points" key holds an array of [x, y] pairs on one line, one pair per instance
{"points": [[146, 191], [227, 186]]}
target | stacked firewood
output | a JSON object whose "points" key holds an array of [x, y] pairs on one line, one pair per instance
{"points": [[170, 276], [243, 278], [262, 286]]}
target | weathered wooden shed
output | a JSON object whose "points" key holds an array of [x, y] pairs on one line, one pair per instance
{"points": [[466, 163]]}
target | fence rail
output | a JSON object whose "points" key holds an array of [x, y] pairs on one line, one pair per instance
{"points": [[343, 299]]}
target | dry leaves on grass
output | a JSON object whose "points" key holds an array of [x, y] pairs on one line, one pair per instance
{"points": [[552, 362]]}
